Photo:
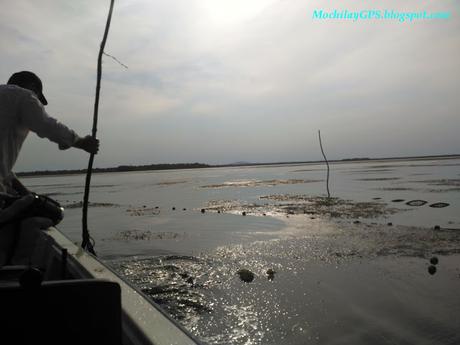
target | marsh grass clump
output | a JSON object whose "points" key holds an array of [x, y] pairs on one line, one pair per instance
{"points": [[327, 201], [287, 204], [333, 207]]}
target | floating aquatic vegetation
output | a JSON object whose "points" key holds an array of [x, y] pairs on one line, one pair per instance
{"points": [[169, 183], [79, 204], [303, 170], [440, 182], [146, 235], [332, 207], [257, 183], [103, 186], [437, 164], [379, 179], [370, 171], [62, 193], [416, 202], [143, 211], [303, 204], [439, 204], [232, 206], [444, 190], [394, 188]]}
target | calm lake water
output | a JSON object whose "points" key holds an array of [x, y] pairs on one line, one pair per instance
{"points": [[355, 272]]}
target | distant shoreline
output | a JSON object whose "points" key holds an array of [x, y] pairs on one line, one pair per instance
{"points": [[177, 166]]}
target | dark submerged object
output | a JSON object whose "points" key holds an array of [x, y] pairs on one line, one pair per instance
{"points": [[245, 275], [397, 200], [434, 260], [439, 204], [416, 202], [432, 269]]}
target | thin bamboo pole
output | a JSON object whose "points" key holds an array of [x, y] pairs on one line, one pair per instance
{"points": [[87, 242], [327, 163]]}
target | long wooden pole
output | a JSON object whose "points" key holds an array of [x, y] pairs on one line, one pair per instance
{"points": [[327, 163], [87, 242]]}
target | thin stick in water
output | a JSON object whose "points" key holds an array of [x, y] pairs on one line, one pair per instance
{"points": [[327, 163]]}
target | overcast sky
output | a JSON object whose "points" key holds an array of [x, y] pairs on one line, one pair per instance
{"points": [[220, 81]]}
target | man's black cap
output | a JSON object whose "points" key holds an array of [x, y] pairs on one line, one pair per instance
{"points": [[24, 79]]}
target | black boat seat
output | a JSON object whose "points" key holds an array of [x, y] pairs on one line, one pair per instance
{"points": [[79, 311], [12, 273]]}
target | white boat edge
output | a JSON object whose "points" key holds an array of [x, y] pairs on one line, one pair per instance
{"points": [[142, 321]]}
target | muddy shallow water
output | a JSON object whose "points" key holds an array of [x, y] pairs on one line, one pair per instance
{"points": [[260, 255], [331, 284]]}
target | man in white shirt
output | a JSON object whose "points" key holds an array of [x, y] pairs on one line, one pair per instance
{"points": [[22, 110]]}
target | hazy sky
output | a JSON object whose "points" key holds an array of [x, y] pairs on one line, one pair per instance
{"points": [[219, 81]]}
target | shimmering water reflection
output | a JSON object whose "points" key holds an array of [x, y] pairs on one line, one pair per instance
{"points": [[374, 265]]}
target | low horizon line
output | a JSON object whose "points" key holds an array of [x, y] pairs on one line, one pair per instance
{"points": [[195, 165]]}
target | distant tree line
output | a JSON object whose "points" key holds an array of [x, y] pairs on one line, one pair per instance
{"points": [[120, 168]]}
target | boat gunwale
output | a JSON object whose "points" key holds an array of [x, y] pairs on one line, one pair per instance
{"points": [[137, 308]]}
